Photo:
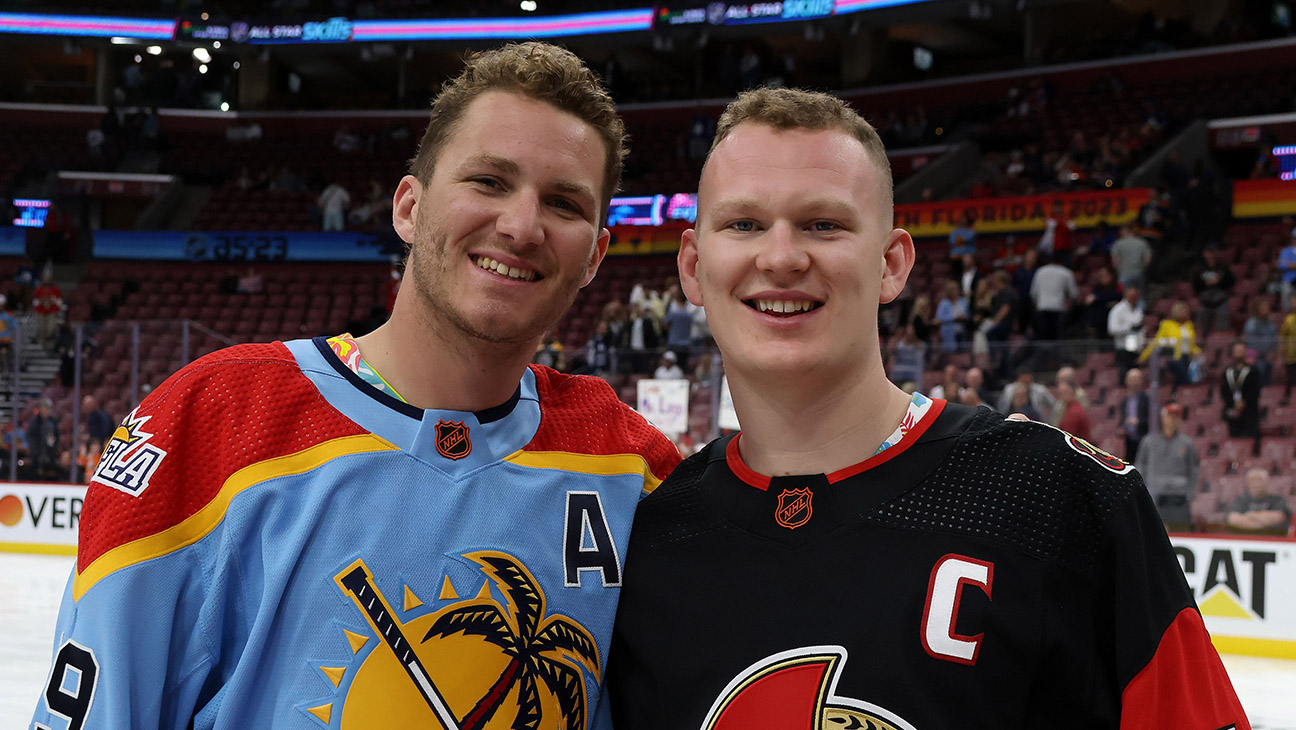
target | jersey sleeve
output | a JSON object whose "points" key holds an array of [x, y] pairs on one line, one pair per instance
{"points": [[157, 601], [582, 415], [1169, 674]]}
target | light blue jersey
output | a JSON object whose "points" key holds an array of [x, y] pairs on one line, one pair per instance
{"points": [[268, 542]]}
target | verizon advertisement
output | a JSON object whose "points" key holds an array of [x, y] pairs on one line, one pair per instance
{"points": [[40, 518]]}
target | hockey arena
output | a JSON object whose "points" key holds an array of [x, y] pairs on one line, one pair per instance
{"points": [[1101, 197]]}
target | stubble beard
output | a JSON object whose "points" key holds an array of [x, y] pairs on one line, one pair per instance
{"points": [[433, 268]]}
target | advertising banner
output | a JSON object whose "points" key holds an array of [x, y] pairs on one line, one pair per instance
{"points": [[665, 404], [1264, 198], [40, 518], [239, 246], [1246, 589], [1020, 214]]}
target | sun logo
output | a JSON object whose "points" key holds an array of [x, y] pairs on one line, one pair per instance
{"points": [[128, 460], [475, 664]]}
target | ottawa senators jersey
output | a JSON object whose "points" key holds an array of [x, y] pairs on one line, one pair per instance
{"points": [[269, 542], [981, 573]]}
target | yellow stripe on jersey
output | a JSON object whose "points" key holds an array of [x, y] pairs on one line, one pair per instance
{"points": [[601, 464], [206, 519]]}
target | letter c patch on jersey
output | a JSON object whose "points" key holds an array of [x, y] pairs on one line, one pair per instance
{"points": [[940, 615], [452, 439], [795, 506]]}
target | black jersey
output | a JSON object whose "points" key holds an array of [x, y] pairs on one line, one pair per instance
{"points": [[982, 573]]}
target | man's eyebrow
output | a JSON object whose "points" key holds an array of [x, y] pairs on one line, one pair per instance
{"points": [[508, 166], [747, 206], [574, 188], [503, 164], [733, 206]]}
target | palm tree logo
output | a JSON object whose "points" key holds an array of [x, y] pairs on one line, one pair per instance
{"points": [[548, 649], [549, 653]]}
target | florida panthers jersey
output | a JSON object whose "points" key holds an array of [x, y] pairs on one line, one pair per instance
{"points": [[982, 573], [271, 543]]}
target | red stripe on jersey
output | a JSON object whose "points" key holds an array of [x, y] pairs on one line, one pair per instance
{"points": [[1185, 685], [219, 414], [580, 414], [762, 482]]}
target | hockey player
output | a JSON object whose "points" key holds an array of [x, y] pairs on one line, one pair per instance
{"points": [[409, 529], [856, 557]]}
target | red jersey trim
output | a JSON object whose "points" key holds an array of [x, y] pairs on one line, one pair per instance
{"points": [[1184, 686], [740, 469], [582, 418], [218, 415]]}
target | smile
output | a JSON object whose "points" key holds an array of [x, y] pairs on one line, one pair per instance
{"points": [[782, 308], [511, 272]]}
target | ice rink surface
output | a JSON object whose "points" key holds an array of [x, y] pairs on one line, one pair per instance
{"points": [[31, 587]]}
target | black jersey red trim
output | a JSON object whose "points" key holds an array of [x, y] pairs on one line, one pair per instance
{"points": [[760, 481]]}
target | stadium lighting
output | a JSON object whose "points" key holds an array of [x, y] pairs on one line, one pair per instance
{"points": [[236, 65], [528, 5], [154, 50], [138, 58], [215, 44], [202, 69], [224, 106], [204, 16], [202, 55], [119, 41]]}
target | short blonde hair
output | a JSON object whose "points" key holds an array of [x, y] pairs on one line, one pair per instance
{"points": [[785, 109], [538, 71]]}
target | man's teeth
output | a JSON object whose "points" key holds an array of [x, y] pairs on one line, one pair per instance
{"points": [[783, 307], [510, 271]]}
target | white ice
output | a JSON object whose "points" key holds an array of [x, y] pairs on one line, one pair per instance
{"points": [[31, 587]]}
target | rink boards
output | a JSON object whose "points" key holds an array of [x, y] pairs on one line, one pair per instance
{"points": [[1245, 586]]}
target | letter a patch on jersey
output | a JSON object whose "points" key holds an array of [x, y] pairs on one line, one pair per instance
{"points": [[129, 460]]}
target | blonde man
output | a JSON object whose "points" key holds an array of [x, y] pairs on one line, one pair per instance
{"points": [[857, 557]]}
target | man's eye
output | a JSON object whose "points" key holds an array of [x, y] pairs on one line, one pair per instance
{"points": [[566, 205], [824, 226], [489, 182], [744, 226]]}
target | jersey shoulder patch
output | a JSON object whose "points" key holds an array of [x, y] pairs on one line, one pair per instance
{"points": [[581, 414], [216, 416]]}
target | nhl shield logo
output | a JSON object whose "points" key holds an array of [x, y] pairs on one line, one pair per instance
{"points": [[452, 439], [794, 508]]}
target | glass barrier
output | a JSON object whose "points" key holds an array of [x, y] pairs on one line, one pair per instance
{"points": [[65, 397]]}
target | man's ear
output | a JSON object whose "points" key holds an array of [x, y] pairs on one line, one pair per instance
{"points": [[897, 262], [688, 265], [405, 207], [600, 252]]}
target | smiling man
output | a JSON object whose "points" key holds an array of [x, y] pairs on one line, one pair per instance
{"points": [[856, 557], [407, 529]]}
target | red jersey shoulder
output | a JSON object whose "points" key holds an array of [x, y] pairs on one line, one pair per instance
{"points": [[582, 414], [171, 455]]}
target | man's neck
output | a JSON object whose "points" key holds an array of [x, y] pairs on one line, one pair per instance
{"points": [[432, 364], [823, 426]]}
